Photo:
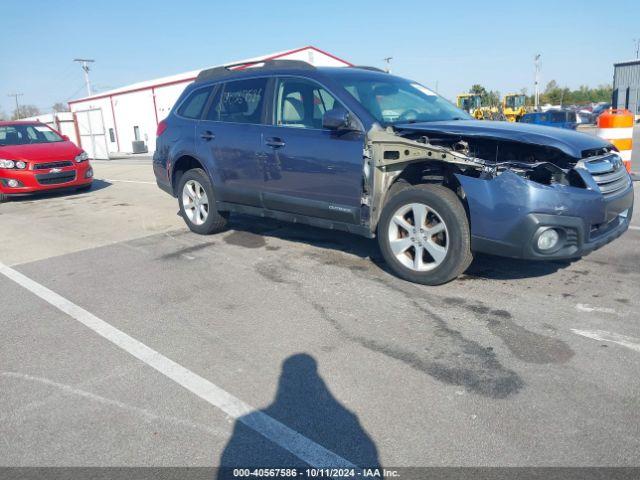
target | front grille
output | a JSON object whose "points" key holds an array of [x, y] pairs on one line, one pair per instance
{"points": [[47, 166], [609, 173], [56, 178]]}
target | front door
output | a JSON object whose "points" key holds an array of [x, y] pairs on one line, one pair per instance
{"points": [[309, 170], [229, 136]]}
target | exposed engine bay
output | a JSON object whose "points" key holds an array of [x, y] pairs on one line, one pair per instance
{"points": [[444, 154]]}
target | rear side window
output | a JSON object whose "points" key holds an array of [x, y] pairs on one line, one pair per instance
{"points": [[240, 102], [194, 104]]}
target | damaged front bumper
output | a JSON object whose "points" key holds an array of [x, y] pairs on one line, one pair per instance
{"points": [[508, 213]]}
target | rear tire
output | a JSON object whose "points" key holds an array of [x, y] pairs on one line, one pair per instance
{"points": [[432, 250], [198, 204]]}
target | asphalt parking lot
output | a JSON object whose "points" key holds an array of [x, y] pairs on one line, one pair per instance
{"points": [[275, 344]]}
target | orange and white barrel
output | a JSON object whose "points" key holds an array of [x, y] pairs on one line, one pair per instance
{"points": [[616, 126]]}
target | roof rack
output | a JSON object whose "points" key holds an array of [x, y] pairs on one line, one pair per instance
{"points": [[365, 67], [227, 70]]}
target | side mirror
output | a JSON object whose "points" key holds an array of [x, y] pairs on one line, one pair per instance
{"points": [[337, 119], [65, 138]]}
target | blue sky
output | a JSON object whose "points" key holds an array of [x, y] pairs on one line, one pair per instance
{"points": [[451, 44]]}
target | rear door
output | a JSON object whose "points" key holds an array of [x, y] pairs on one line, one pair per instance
{"points": [[309, 170], [229, 138]]}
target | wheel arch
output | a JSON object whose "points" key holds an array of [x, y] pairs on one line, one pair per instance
{"points": [[425, 172], [183, 164]]}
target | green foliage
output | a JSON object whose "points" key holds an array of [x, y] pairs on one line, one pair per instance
{"points": [[488, 98], [556, 95], [553, 94]]}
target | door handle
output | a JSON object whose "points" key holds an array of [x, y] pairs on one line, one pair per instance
{"points": [[207, 135], [275, 142]]}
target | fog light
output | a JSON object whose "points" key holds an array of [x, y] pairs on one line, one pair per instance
{"points": [[12, 183], [548, 239], [89, 173]]}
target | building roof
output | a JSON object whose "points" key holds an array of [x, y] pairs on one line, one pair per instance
{"points": [[635, 61], [191, 75]]}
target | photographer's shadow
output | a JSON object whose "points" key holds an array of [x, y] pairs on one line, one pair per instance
{"points": [[304, 404]]}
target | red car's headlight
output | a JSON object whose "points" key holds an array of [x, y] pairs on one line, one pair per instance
{"points": [[19, 164], [82, 157]]}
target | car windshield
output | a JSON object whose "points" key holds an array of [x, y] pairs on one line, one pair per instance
{"points": [[393, 101], [27, 134]]}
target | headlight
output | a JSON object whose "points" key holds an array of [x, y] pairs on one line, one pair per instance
{"points": [[21, 165], [82, 157], [7, 164]]}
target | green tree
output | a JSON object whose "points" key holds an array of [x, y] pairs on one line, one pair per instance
{"points": [[478, 90]]}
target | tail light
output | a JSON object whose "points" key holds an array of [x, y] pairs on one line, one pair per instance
{"points": [[162, 126]]}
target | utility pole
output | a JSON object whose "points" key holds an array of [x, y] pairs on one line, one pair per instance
{"points": [[387, 60], [536, 90], [15, 96], [85, 66], [637, 42]]}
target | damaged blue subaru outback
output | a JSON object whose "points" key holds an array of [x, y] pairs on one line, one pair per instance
{"points": [[362, 151]]}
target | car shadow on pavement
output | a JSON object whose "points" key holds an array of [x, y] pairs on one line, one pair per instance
{"points": [[304, 404], [66, 192], [490, 267], [484, 267]]}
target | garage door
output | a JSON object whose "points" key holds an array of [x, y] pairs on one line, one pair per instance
{"points": [[92, 133]]}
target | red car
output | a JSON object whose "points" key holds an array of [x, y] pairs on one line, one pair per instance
{"points": [[35, 158]]}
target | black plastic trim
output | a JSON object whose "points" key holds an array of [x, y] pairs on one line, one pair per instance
{"points": [[296, 218]]}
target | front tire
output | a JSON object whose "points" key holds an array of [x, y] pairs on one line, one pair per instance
{"points": [[198, 203], [424, 236], [3, 198]]}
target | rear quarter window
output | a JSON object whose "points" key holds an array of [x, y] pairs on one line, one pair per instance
{"points": [[241, 101], [193, 106]]}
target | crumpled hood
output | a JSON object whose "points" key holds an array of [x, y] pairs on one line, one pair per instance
{"points": [[570, 142]]}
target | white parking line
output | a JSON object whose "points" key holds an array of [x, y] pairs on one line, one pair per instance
{"points": [[604, 336], [583, 307], [633, 227], [283, 436], [126, 181]]}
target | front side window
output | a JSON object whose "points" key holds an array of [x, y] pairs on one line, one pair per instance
{"points": [[394, 100], [27, 134], [240, 102], [302, 103], [193, 106]]}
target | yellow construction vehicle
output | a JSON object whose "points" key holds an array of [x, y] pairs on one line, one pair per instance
{"points": [[513, 106], [471, 103]]}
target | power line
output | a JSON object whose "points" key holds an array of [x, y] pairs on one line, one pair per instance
{"points": [[85, 66], [15, 96], [536, 90], [387, 60]]}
